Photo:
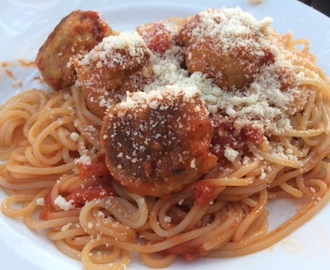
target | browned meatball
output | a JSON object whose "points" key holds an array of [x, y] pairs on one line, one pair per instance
{"points": [[75, 35], [226, 44], [117, 65], [156, 143]]}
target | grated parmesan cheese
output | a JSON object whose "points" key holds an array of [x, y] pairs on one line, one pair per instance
{"points": [[66, 227], [231, 154], [84, 159], [63, 204], [40, 201], [167, 219], [262, 100], [74, 136], [261, 104], [132, 43]]}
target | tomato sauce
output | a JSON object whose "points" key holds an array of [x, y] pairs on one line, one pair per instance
{"points": [[82, 195], [100, 187], [158, 39], [186, 250], [95, 170], [47, 209], [226, 135], [27, 64], [204, 194], [252, 134]]}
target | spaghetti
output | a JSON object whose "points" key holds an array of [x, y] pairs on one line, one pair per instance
{"points": [[268, 105]]}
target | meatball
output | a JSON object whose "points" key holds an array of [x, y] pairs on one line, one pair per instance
{"points": [[156, 143], [226, 44], [117, 65], [74, 36]]}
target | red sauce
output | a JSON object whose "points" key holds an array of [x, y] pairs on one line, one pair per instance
{"points": [[252, 134], [226, 135], [102, 187], [204, 194], [286, 77], [4, 64], [81, 196], [98, 30], [19, 84], [95, 170], [99, 187], [26, 64], [269, 58], [47, 209], [185, 249], [10, 74], [21, 63], [158, 38], [39, 79]]}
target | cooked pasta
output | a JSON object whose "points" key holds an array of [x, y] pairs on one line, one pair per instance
{"points": [[170, 142]]}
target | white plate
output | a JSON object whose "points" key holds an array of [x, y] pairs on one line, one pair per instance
{"points": [[25, 24]]}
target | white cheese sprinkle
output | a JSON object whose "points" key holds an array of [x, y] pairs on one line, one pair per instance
{"points": [[84, 159], [231, 154], [40, 201], [63, 204], [74, 136]]}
